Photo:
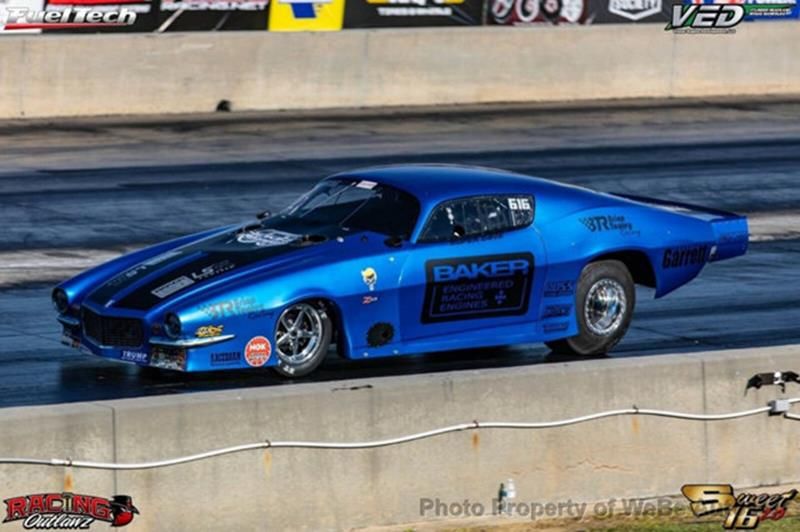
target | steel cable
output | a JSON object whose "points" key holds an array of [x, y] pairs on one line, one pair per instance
{"points": [[474, 425]]}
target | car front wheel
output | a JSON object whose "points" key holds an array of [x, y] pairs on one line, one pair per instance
{"points": [[604, 302], [302, 337]]}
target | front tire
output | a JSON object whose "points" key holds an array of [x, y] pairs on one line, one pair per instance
{"points": [[302, 337], [604, 301]]}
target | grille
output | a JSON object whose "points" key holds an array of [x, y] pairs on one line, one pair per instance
{"points": [[114, 332]]}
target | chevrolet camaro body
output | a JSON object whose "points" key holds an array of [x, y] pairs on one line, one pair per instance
{"points": [[415, 259]]}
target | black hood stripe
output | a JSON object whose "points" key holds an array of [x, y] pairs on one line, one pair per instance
{"points": [[136, 275], [156, 281]]}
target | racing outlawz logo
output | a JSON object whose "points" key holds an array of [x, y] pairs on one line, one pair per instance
{"points": [[69, 511]]}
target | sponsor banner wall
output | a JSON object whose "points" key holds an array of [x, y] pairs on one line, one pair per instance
{"points": [[5, 4], [174, 15], [555, 12], [303, 15], [394, 13], [627, 11], [212, 15], [792, 7], [523, 12], [334, 15], [146, 14]]}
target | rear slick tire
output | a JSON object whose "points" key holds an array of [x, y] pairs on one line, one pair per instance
{"points": [[604, 301]]}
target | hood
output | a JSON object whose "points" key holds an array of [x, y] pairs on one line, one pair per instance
{"points": [[255, 246]]}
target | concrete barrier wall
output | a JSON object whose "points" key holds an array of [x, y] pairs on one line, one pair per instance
{"points": [[48, 76], [333, 490]]}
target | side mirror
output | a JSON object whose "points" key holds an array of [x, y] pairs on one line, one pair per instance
{"points": [[263, 214], [248, 227]]}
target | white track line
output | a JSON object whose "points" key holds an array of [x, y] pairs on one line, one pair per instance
{"points": [[774, 226], [51, 265]]}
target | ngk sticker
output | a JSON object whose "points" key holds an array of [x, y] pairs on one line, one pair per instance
{"points": [[257, 351]]}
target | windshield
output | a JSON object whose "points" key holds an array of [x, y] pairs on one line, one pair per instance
{"points": [[357, 204]]}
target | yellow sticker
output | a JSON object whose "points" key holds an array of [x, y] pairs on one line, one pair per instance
{"points": [[209, 331], [294, 15]]}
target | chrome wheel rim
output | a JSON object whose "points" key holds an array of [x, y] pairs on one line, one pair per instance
{"points": [[605, 307], [298, 333]]}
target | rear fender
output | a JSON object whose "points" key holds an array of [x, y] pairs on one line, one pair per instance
{"points": [[668, 240], [730, 230]]}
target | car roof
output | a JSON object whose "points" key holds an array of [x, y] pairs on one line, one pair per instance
{"points": [[432, 183]]}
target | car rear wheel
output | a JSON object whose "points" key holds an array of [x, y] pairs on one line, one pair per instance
{"points": [[604, 303], [302, 337]]}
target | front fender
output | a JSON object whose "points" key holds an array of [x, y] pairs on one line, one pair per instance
{"points": [[250, 307]]}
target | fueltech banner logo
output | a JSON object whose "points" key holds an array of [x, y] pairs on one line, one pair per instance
{"points": [[68, 511], [23, 18]]}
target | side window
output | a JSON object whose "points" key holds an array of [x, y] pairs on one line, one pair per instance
{"points": [[521, 208], [477, 216]]}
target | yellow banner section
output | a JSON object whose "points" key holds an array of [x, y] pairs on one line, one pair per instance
{"points": [[294, 15]]}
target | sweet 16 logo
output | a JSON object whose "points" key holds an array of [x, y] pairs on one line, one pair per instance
{"points": [[743, 511]]}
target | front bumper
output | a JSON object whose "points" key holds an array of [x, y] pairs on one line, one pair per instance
{"points": [[189, 354]]}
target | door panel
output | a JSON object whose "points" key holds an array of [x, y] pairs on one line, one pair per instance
{"points": [[486, 286], [485, 282]]}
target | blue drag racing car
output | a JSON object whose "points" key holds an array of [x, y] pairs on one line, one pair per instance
{"points": [[396, 260]]}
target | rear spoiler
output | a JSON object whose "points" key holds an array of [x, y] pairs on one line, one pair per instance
{"points": [[730, 229]]}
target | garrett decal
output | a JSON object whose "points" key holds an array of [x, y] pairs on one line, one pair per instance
{"points": [[684, 256], [477, 287], [68, 511], [257, 351]]}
